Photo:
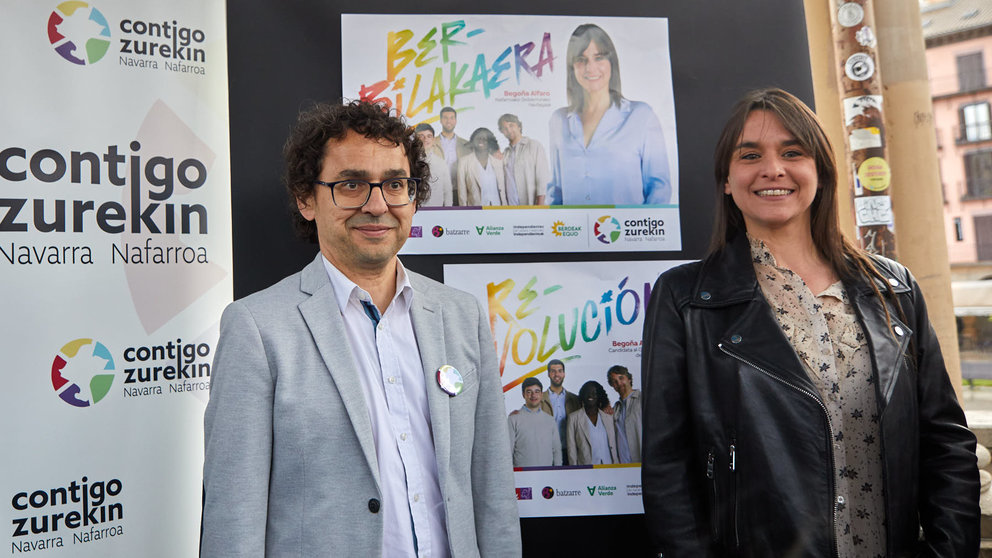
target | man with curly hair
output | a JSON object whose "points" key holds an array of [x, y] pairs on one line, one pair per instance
{"points": [[356, 407]]}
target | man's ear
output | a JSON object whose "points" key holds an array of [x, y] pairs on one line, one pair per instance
{"points": [[306, 207]]}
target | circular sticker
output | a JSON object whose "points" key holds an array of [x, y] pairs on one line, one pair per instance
{"points": [[859, 67], [874, 174], [850, 14]]}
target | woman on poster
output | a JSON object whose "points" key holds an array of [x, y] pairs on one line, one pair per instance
{"points": [[480, 176], [605, 149], [591, 437], [795, 399]]}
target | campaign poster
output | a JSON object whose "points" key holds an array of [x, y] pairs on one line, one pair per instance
{"points": [[115, 261], [583, 319], [535, 143]]}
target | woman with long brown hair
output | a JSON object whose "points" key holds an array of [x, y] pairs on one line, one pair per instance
{"points": [[795, 399]]}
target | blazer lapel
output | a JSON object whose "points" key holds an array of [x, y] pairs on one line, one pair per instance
{"points": [[323, 317], [428, 326]]}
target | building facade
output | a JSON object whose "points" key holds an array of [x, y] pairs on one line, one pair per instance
{"points": [[958, 37]]}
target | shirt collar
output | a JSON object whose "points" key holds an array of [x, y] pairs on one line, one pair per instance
{"points": [[345, 289], [761, 255], [614, 117]]}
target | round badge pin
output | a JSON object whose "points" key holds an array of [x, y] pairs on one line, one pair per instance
{"points": [[450, 380], [850, 14]]}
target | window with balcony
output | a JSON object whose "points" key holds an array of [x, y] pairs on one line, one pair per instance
{"points": [[971, 71], [976, 122], [978, 175]]}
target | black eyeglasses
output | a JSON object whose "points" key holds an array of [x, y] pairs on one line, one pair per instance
{"points": [[352, 194]]}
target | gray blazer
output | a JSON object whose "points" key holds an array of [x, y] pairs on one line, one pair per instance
{"points": [[290, 466]]}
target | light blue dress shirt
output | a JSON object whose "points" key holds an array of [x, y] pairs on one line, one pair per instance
{"points": [[393, 382], [558, 406], [623, 449], [625, 163]]}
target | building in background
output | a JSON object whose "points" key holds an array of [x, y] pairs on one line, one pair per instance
{"points": [[958, 36]]}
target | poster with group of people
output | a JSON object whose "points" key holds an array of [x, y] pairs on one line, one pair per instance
{"points": [[568, 339], [526, 114]]}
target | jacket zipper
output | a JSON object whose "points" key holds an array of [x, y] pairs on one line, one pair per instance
{"points": [[830, 432], [733, 488], [714, 510]]}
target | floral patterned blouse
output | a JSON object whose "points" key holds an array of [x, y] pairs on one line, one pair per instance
{"points": [[828, 339]]}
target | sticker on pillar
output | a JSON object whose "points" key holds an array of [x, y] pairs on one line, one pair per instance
{"points": [[859, 66], [865, 37], [865, 138], [850, 14], [873, 210], [874, 174], [858, 189], [863, 111]]}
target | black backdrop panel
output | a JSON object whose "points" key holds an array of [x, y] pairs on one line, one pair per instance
{"points": [[283, 55]]}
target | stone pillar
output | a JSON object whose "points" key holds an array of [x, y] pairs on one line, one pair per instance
{"points": [[917, 200]]}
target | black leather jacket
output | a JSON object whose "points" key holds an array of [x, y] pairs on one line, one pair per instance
{"points": [[737, 456]]}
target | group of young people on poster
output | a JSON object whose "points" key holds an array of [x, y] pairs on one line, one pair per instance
{"points": [[557, 428]]}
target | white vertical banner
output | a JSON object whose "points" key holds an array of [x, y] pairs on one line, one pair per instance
{"points": [[115, 261]]}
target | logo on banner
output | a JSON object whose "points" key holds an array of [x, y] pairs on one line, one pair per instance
{"points": [[560, 229], [548, 492], [602, 489], [524, 493], [180, 367], [78, 32], [90, 510], [607, 229], [83, 372], [486, 230], [416, 232], [437, 231]]}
